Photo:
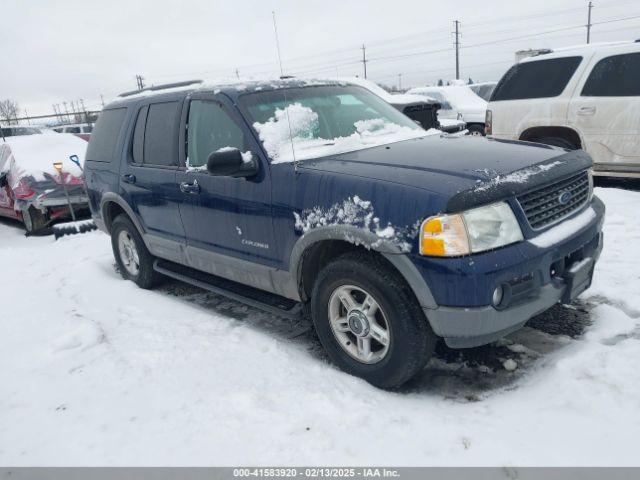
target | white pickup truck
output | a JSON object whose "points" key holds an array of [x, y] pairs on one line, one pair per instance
{"points": [[585, 97]]}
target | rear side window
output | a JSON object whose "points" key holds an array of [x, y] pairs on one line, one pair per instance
{"points": [[104, 139], [160, 137], [537, 79], [616, 76]]}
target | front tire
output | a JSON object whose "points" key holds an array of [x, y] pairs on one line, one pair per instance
{"points": [[134, 261], [369, 321]]}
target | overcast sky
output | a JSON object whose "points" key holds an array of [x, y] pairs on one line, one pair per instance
{"points": [[64, 50]]}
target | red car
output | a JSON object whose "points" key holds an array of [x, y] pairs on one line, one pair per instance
{"points": [[31, 188]]}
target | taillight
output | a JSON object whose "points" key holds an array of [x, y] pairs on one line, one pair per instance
{"points": [[23, 190], [488, 119]]}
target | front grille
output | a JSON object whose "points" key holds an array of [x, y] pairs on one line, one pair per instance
{"points": [[543, 206]]}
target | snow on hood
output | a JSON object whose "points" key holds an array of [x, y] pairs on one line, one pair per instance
{"points": [[34, 156], [289, 134], [360, 213]]}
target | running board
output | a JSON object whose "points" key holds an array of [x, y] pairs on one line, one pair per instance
{"points": [[268, 302]]}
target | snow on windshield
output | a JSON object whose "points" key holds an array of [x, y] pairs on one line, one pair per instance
{"points": [[290, 132]]}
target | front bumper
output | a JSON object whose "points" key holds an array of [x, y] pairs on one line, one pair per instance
{"points": [[541, 278]]}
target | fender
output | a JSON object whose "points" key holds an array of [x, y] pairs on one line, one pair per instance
{"points": [[115, 198], [361, 237]]}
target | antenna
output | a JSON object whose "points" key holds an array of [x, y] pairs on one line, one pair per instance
{"points": [[275, 30], [284, 92]]}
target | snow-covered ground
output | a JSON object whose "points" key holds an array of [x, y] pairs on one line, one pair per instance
{"points": [[94, 371]]}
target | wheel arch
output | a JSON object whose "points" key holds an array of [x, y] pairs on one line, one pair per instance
{"points": [[316, 247], [569, 134], [111, 206]]}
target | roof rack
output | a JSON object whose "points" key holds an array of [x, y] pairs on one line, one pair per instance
{"points": [[164, 86]]}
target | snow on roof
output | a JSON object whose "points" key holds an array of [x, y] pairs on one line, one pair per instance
{"points": [[233, 84], [582, 49], [458, 95], [34, 155]]}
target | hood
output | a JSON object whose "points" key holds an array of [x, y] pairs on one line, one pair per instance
{"points": [[465, 170]]}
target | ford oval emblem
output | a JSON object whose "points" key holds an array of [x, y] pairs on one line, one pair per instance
{"points": [[564, 198]]}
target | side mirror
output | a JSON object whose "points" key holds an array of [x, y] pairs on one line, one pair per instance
{"points": [[3, 180], [230, 162]]}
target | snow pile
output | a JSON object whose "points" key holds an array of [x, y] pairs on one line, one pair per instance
{"points": [[519, 176], [99, 372], [34, 156], [358, 213], [289, 135], [293, 124]]}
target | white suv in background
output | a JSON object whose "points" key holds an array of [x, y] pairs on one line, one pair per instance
{"points": [[458, 102], [584, 97]]}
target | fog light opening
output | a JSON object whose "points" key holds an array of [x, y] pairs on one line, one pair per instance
{"points": [[498, 295]]}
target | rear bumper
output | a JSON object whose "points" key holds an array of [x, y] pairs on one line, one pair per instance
{"points": [[46, 202], [540, 279]]}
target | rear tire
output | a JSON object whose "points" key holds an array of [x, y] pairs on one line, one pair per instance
{"points": [[134, 261], [556, 142], [397, 317], [34, 220]]}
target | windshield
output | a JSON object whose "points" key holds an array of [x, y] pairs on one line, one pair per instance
{"points": [[311, 122]]}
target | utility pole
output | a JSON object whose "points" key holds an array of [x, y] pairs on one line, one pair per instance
{"points": [[399, 81], [140, 81], [237, 74], [102, 100], [457, 32], [589, 22], [364, 60]]}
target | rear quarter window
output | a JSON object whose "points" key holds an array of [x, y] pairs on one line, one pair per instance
{"points": [[104, 139], [536, 79]]}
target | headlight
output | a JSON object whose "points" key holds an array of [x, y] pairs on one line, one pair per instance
{"points": [[473, 231]]}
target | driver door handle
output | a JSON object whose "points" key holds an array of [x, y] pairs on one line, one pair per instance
{"points": [[128, 178], [587, 111], [192, 188]]}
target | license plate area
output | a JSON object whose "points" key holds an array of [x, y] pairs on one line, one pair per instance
{"points": [[577, 277]]}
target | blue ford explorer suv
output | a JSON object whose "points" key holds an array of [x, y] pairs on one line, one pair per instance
{"points": [[319, 197]]}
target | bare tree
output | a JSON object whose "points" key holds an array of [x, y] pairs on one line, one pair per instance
{"points": [[9, 110]]}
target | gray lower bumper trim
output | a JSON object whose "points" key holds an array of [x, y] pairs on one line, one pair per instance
{"points": [[471, 327], [61, 201]]}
